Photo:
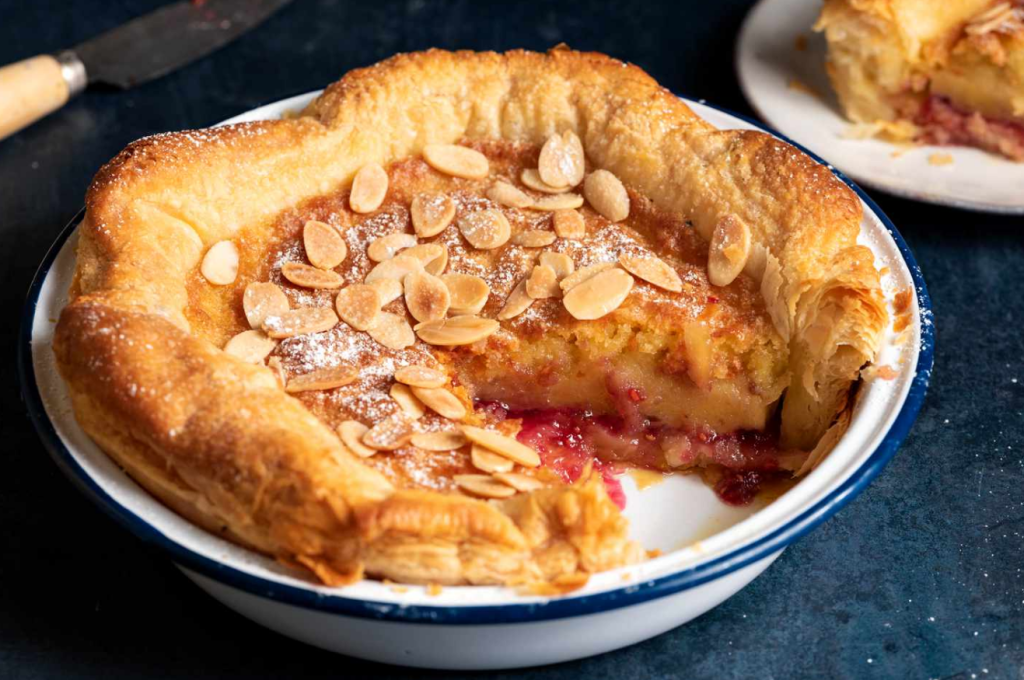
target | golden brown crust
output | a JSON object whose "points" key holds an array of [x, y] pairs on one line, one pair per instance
{"points": [[201, 430]]}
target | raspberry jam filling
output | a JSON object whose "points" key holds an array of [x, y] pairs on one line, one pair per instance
{"points": [[944, 123]]}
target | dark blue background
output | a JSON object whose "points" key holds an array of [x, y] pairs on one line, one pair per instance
{"points": [[920, 577]]}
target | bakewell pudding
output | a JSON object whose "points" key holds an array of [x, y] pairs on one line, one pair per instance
{"points": [[415, 331], [938, 73]]}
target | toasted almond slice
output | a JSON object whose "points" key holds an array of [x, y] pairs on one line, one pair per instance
{"points": [[369, 187], [388, 289], [410, 403], [457, 161], [322, 379], [263, 299], [531, 178], [310, 277], [277, 366], [421, 376], [558, 202], [351, 433], [519, 481], [325, 249], [483, 486], [358, 305], [569, 224], [468, 293], [518, 301], [581, 275], [728, 251], [598, 295], [458, 330], [561, 162], [449, 440], [300, 322], [426, 296], [251, 347], [441, 401], [389, 434], [396, 268], [488, 461], [434, 256], [543, 283], [506, 446], [503, 193], [392, 331], [220, 264], [560, 262], [653, 270], [574, 148], [534, 238], [606, 195], [431, 214], [485, 229], [387, 246]]}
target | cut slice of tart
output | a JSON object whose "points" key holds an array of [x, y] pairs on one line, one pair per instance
{"points": [[411, 332]]}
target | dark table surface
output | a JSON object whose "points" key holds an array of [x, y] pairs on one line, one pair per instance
{"points": [[920, 577]]}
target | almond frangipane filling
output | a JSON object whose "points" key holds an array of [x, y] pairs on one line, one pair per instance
{"points": [[493, 271]]}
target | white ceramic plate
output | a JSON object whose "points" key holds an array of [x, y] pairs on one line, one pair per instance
{"points": [[768, 64], [711, 550]]}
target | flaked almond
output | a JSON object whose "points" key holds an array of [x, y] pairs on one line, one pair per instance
{"points": [[485, 229], [441, 401], [483, 486], [728, 251], [389, 434], [387, 246], [369, 187], [351, 433], [396, 268], [569, 224], [263, 299], [560, 262], [388, 289], [468, 293], [534, 238], [325, 249], [606, 195], [506, 446], [277, 366], [561, 162], [358, 306], [653, 270], [518, 301], [488, 461], [574, 147], [582, 274], [251, 347], [457, 161], [300, 322], [434, 256], [426, 296], [519, 481], [392, 331], [421, 376], [458, 330], [542, 283], [220, 264], [310, 277], [431, 214], [448, 440], [503, 193], [322, 379], [409, 402], [531, 178], [598, 295], [558, 202]]}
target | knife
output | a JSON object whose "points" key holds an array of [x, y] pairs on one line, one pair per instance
{"points": [[131, 54]]}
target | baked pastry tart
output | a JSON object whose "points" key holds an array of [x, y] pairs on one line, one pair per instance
{"points": [[410, 332], [938, 73]]}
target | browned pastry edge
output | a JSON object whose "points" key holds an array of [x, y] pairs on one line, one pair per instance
{"points": [[204, 432]]}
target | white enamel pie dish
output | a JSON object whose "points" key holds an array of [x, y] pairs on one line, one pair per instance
{"points": [[710, 550]]}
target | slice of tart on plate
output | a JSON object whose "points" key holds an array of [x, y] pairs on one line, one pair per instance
{"points": [[409, 333]]}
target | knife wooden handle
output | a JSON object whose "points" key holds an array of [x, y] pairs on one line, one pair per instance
{"points": [[32, 88]]}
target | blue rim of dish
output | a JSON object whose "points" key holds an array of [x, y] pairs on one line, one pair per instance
{"points": [[632, 594]]}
